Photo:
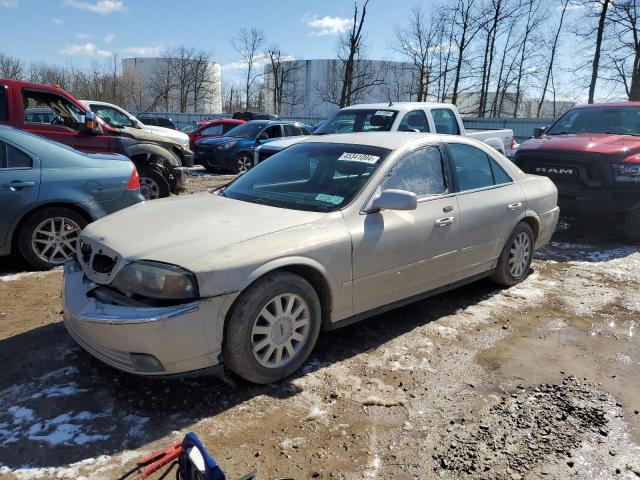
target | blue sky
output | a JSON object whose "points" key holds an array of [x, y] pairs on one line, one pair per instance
{"points": [[82, 31]]}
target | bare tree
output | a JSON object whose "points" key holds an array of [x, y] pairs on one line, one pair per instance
{"points": [[604, 7], [11, 67], [552, 54], [248, 44], [416, 43], [349, 51], [625, 47], [281, 79]]}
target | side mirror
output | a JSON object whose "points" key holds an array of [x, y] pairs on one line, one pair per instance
{"points": [[539, 131], [394, 200], [262, 136], [91, 124]]}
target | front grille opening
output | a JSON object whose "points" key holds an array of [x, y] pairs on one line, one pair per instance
{"points": [[103, 264]]}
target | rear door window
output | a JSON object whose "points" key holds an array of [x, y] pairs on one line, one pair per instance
{"points": [[472, 165], [12, 157], [445, 121], [4, 103], [414, 121]]}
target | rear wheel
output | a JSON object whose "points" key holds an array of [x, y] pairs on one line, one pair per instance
{"points": [[633, 225], [153, 184], [48, 238], [272, 329], [515, 260], [244, 162]]}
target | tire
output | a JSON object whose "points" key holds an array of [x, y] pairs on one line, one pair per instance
{"points": [[632, 223], [42, 240], [248, 330], [513, 267], [153, 184], [243, 163]]}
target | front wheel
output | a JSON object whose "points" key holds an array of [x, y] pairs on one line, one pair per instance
{"points": [[515, 260], [153, 184], [243, 164], [272, 328], [48, 238]]}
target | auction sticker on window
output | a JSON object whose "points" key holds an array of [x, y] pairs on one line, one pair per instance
{"points": [[385, 113], [359, 157]]}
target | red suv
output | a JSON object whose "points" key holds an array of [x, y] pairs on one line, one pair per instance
{"points": [[213, 128], [592, 153], [53, 113]]}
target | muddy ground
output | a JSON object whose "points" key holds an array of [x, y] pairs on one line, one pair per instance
{"points": [[539, 381]]}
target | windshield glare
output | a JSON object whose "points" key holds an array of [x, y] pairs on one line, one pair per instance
{"points": [[348, 121], [246, 130], [319, 177], [620, 120]]}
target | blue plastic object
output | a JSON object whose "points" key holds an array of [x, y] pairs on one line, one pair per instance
{"points": [[198, 464]]}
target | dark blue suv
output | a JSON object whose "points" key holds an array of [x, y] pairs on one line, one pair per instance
{"points": [[235, 150]]}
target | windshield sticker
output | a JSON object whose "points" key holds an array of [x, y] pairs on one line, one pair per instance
{"points": [[385, 113], [332, 199], [359, 157]]}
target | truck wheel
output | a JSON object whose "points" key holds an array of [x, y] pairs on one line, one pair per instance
{"points": [[244, 162], [516, 257], [633, 225], [47, 238], [272, 328], [153, 184]]}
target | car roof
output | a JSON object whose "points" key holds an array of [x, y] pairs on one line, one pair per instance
{"points": [[397, 106], [388, 140], [609, 104]]}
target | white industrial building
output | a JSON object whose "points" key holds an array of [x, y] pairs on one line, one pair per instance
{"points": [[313, 86], [151, 72]]}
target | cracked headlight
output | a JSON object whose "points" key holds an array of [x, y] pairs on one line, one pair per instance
{"points": [[626, 172], [156, 280]]}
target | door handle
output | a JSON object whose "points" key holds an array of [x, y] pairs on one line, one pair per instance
{"points": [[514, 206], [17, 185], [444, 221]]}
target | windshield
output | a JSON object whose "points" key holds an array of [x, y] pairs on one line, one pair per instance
{"points": [[619, 120], [246, 130], [318, 177], [112, 116], [348, 121], [189, 128]]}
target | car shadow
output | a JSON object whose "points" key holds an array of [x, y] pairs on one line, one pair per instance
{"points": [[58, 405]]}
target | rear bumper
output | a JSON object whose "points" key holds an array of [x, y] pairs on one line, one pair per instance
{"points": [[548, 222], [174, 340]]}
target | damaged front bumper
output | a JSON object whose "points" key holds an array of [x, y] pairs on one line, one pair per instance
{"points": [[152, 341]]}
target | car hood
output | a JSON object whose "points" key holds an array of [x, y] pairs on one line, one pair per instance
{"points": [[142, 134], [181, 230], [599, 143], [175, 135], [286, 142]]}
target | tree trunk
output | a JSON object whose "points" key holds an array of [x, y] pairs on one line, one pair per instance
{"points": [[596, 55]]}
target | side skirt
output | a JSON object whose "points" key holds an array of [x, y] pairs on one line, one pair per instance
{"points": [[406, 301]]}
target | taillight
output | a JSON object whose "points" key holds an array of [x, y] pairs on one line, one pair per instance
{"points": [[134, 180]]}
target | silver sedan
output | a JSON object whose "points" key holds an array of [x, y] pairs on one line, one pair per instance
{"points": [[329, 231]]}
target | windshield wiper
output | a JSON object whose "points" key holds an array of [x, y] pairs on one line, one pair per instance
{"points": [[559, 133], [623, 133]]}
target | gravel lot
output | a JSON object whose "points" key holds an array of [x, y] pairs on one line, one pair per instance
{"points": [[536, 381]]}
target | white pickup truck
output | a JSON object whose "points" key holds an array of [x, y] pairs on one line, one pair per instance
{"points": [[395, 117]]}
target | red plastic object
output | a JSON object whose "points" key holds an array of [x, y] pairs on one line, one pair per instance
{"points": [[159, 459]]}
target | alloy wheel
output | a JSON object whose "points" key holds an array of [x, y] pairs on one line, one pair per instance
{"points": [[54, 240], [280, 330], [519, 254], [244, 164]]}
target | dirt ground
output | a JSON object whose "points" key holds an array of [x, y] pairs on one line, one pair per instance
{"points": [[539, 381]]}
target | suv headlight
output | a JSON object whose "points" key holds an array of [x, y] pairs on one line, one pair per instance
{"points": [[156, 280], [626, 172], [226, 145]]}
